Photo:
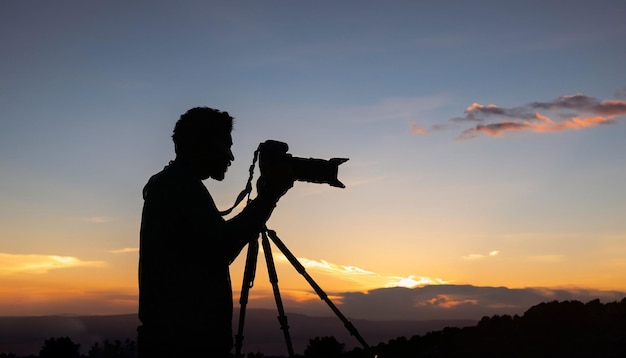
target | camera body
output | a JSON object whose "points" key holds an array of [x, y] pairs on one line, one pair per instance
{"points": [[312, 170]]}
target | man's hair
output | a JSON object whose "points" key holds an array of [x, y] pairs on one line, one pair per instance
{"points": [[200, 124]]}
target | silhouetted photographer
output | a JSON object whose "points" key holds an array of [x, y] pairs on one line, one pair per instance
{"points": [[186, 246]]}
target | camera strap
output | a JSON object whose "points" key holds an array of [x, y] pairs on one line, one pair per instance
{"points": [[245, 192]]}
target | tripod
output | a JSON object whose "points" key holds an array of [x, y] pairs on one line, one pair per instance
{"points": [[328, 170], [248, 281]]}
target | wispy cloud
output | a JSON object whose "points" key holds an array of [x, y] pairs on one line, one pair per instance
{"points": [[559, 41], [334, 268], [497, 129], [413, 281], [98, 219], [571, 112], [417, 129], [481, 256], [443, 40], [124, 250], [446, 301], [40, 264], [408, 109], [365, 277]]}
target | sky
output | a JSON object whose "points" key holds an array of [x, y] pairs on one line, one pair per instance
{"points": [[486, 141]]}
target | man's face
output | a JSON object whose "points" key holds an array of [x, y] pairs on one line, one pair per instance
{"points": [[215, 157]]}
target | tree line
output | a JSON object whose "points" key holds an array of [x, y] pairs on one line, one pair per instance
{"points": [[549, 329]]}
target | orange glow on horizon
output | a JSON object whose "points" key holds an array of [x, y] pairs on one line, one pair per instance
{"points": [[40, 299], [40, 264], [82, 286]]}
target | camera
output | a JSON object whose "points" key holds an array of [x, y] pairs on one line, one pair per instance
{"points": [[312, 170]]}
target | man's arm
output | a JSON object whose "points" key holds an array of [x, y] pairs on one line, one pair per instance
{"points": [[247, 225]]}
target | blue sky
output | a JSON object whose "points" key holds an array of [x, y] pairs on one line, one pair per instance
{"points": [[91, 90]]}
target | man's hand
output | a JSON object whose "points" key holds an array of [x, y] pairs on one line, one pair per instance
{"points": [[276, 180]]}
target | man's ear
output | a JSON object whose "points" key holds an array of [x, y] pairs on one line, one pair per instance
{"points": [[185, 151]]}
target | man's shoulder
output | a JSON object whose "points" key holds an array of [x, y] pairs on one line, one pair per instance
{"points": [[166, 180]]}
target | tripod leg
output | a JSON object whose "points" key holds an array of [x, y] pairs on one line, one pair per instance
{"points": [[271, 270], [298, 266], [248, 282]]}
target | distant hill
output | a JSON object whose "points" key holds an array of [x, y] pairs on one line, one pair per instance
{"points": [[549, 329], [25, 335]]}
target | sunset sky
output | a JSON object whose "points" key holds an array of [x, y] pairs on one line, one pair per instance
{"points": [[487, 140]]}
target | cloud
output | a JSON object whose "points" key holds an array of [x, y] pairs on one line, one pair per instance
{"points": [[397, 108], [325, 266], [365, 278], [416, 129], [446, 301], [443, 40], [458, 301], [413, 281], [546, 125], [481, 256], [582, 103], [477, 113], [559, 41], [124, 250], [40, 264], [98, 219], [564, 113]]}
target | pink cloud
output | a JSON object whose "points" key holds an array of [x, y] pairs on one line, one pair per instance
{"points": [[416, 129], [545, 125], [571, 112]]}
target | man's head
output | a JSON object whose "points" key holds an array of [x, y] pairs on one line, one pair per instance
{"points": [[202, 140]]}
